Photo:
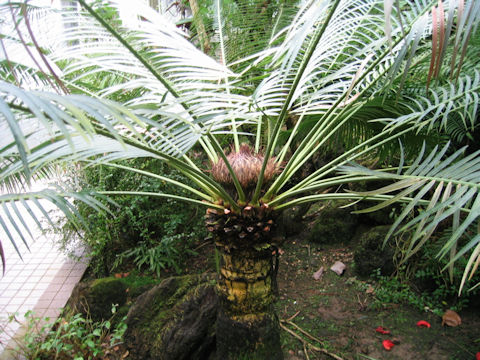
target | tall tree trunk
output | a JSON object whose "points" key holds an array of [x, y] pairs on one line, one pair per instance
{"points": [[247, 326]]}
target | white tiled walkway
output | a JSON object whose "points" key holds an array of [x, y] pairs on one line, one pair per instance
{"points": [[42, 282]]}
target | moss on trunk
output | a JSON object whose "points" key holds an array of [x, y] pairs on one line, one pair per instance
{"points": [[175, 320], [247, 327]]}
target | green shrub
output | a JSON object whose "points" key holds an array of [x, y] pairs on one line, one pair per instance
{"points": [[423, 280], [146, 229], [430, 277], [156, 258], [423, 283], [390, 290], [75, 337]]}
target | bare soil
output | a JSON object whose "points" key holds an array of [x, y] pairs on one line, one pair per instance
{"points": [[342, 313]]}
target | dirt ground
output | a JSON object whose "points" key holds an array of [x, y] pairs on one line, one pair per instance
{"points": [[339, 312]]}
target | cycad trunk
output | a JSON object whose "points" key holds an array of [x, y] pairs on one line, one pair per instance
{"points": [[247, 326]]}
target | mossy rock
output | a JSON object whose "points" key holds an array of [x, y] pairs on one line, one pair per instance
{"points": [[291, 220], [175, 320], [371, 255], [333, 225], [96, 298], [385, 216]]}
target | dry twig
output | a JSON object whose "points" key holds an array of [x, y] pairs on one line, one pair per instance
{"points": [[292, 317], [304, 342], [303, 331], [305, 350]]}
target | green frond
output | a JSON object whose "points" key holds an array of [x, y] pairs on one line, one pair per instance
{"points": [[19, 209], [238, 30], [459, 100], [447, 184], [25, 46]]}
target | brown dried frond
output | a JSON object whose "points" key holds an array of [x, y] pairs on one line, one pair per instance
{"points": [[246, 165]]}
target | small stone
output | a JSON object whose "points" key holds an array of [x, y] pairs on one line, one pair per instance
{"points": [[318, 274], [338, 267]]}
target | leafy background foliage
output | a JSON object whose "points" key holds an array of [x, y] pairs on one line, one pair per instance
{"points": [[153, 233]]}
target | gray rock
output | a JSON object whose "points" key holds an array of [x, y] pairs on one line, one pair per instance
{"points": [[95, 298], [317, 275], [338, 267], [175, 320], [333, 225]]}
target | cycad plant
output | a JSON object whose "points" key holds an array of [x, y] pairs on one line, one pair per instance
{"points": [[350, 71]]}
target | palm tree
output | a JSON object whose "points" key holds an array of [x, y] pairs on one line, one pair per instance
{"points": [[338, 66]]}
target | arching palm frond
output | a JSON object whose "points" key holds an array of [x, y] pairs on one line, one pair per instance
{"points": [[24, 44], [422, 115], [233, 31], [45, 129], [149, 51], [177, 82], [20, 209], [444, 187], [414, 113], [352, 54], [449, 23], [455, 99]]}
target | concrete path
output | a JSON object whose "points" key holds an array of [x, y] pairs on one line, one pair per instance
{"points": [[42, 282]]}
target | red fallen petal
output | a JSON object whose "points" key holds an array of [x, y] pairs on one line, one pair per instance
{"points": [[478, 356], [423, 323], [382, 330], [388, 345]]}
